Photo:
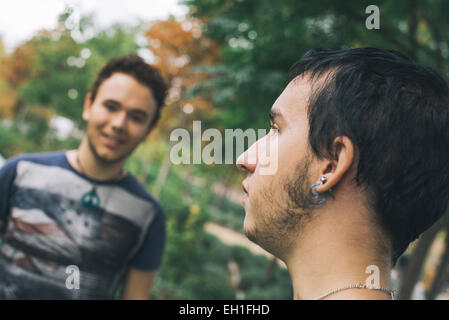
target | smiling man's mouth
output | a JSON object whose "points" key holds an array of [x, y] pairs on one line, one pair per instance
{"points": [[111, 141]]}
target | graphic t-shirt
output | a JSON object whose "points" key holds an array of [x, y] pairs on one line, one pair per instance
{"points": [[54, 247]]}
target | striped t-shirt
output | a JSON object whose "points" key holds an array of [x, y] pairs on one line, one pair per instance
{"points": [[55, 247]]}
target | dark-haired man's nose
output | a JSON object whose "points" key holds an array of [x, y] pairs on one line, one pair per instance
{"points": [[247, 161]]}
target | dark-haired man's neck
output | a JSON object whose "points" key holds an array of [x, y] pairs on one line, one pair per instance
{"points": [[93, 167], [336, 250]]}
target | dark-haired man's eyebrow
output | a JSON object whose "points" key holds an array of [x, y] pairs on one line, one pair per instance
{"points": [[275, 115]]}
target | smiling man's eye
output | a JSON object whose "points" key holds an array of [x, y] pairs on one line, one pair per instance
{"points": [[138, 118], [110, 107]]}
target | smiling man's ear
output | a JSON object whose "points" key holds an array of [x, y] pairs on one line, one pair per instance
{"points": [[334, 170], [87, 107], [153, 123]]}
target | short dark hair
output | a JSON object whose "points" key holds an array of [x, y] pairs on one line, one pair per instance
{"points": [[396, 113], [144, 73]]}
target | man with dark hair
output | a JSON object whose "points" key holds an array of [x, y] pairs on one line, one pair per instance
{"points": [[363, 168], [76, 225]]}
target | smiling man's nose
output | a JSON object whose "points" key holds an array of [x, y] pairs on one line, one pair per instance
{"points": [[119, 121], [247, 161]]}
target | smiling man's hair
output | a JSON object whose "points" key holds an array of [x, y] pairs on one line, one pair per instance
{"points": [[142, 72], [396, 113]]}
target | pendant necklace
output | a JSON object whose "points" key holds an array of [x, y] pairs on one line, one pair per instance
{"points": [[90, 199]]}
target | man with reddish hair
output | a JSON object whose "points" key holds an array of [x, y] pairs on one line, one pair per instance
{"points": [[75, 224]]}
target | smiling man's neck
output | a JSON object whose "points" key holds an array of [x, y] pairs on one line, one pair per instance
{"points": [[93, 167]]}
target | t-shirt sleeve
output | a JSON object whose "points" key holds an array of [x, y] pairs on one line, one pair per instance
{"points": [[7, 176], [149, 256]]}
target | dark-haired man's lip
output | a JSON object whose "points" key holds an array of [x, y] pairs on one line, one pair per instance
{"points": [[244, 198], [245, 189], [244, 186]]}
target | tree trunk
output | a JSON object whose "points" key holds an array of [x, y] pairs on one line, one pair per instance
{"points": [[413, 270], [441, 274]]}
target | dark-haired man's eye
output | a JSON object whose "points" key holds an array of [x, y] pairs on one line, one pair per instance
{"points": [[274, 129]]}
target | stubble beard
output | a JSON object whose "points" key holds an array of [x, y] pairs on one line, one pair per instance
{"points": [[103, 160], [280, 221]]}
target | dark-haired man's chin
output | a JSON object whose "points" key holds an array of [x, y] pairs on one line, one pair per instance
{"points": [[249, 231], [251, 236]]}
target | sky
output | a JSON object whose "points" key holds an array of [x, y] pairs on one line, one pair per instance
{"points": [[20, 19]]}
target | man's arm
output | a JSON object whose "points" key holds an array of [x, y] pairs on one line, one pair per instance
{"points": [[7, 176], [138, 284], [146, 262]]}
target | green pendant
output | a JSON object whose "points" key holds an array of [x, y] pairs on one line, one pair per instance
{"points": [[90, 199]]}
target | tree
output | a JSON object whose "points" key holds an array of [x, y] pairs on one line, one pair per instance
{"points": [[442, 271], [260, 40], [179, 49], [51, 73], [67, 59], [412, 271]]}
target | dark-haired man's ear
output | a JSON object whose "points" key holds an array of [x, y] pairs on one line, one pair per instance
{"points": [[333, 170], [87, 107]]}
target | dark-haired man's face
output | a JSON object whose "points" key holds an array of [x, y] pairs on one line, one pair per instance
{"points": [[119, 118], [276, 205]]}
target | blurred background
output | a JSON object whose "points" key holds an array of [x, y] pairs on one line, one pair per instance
{"points": [[226, 62]]}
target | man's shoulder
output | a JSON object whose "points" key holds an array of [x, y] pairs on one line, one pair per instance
{"points": [[46, 158], [49, 158], [136, 187]]}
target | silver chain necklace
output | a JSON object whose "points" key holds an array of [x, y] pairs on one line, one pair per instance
{"points": [[357, 286]]}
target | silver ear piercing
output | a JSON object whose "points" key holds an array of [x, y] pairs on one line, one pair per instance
{"points": [[313, 195]]}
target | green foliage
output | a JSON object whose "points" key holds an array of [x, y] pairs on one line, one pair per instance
{"points": [[228, 215], [117, 40], [13, 142], [260, 40], [67, 60], [210, 283], [62, 67]]}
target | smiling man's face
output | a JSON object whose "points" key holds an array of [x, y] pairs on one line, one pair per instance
{"points": [[276, 205], [119, 118]]}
